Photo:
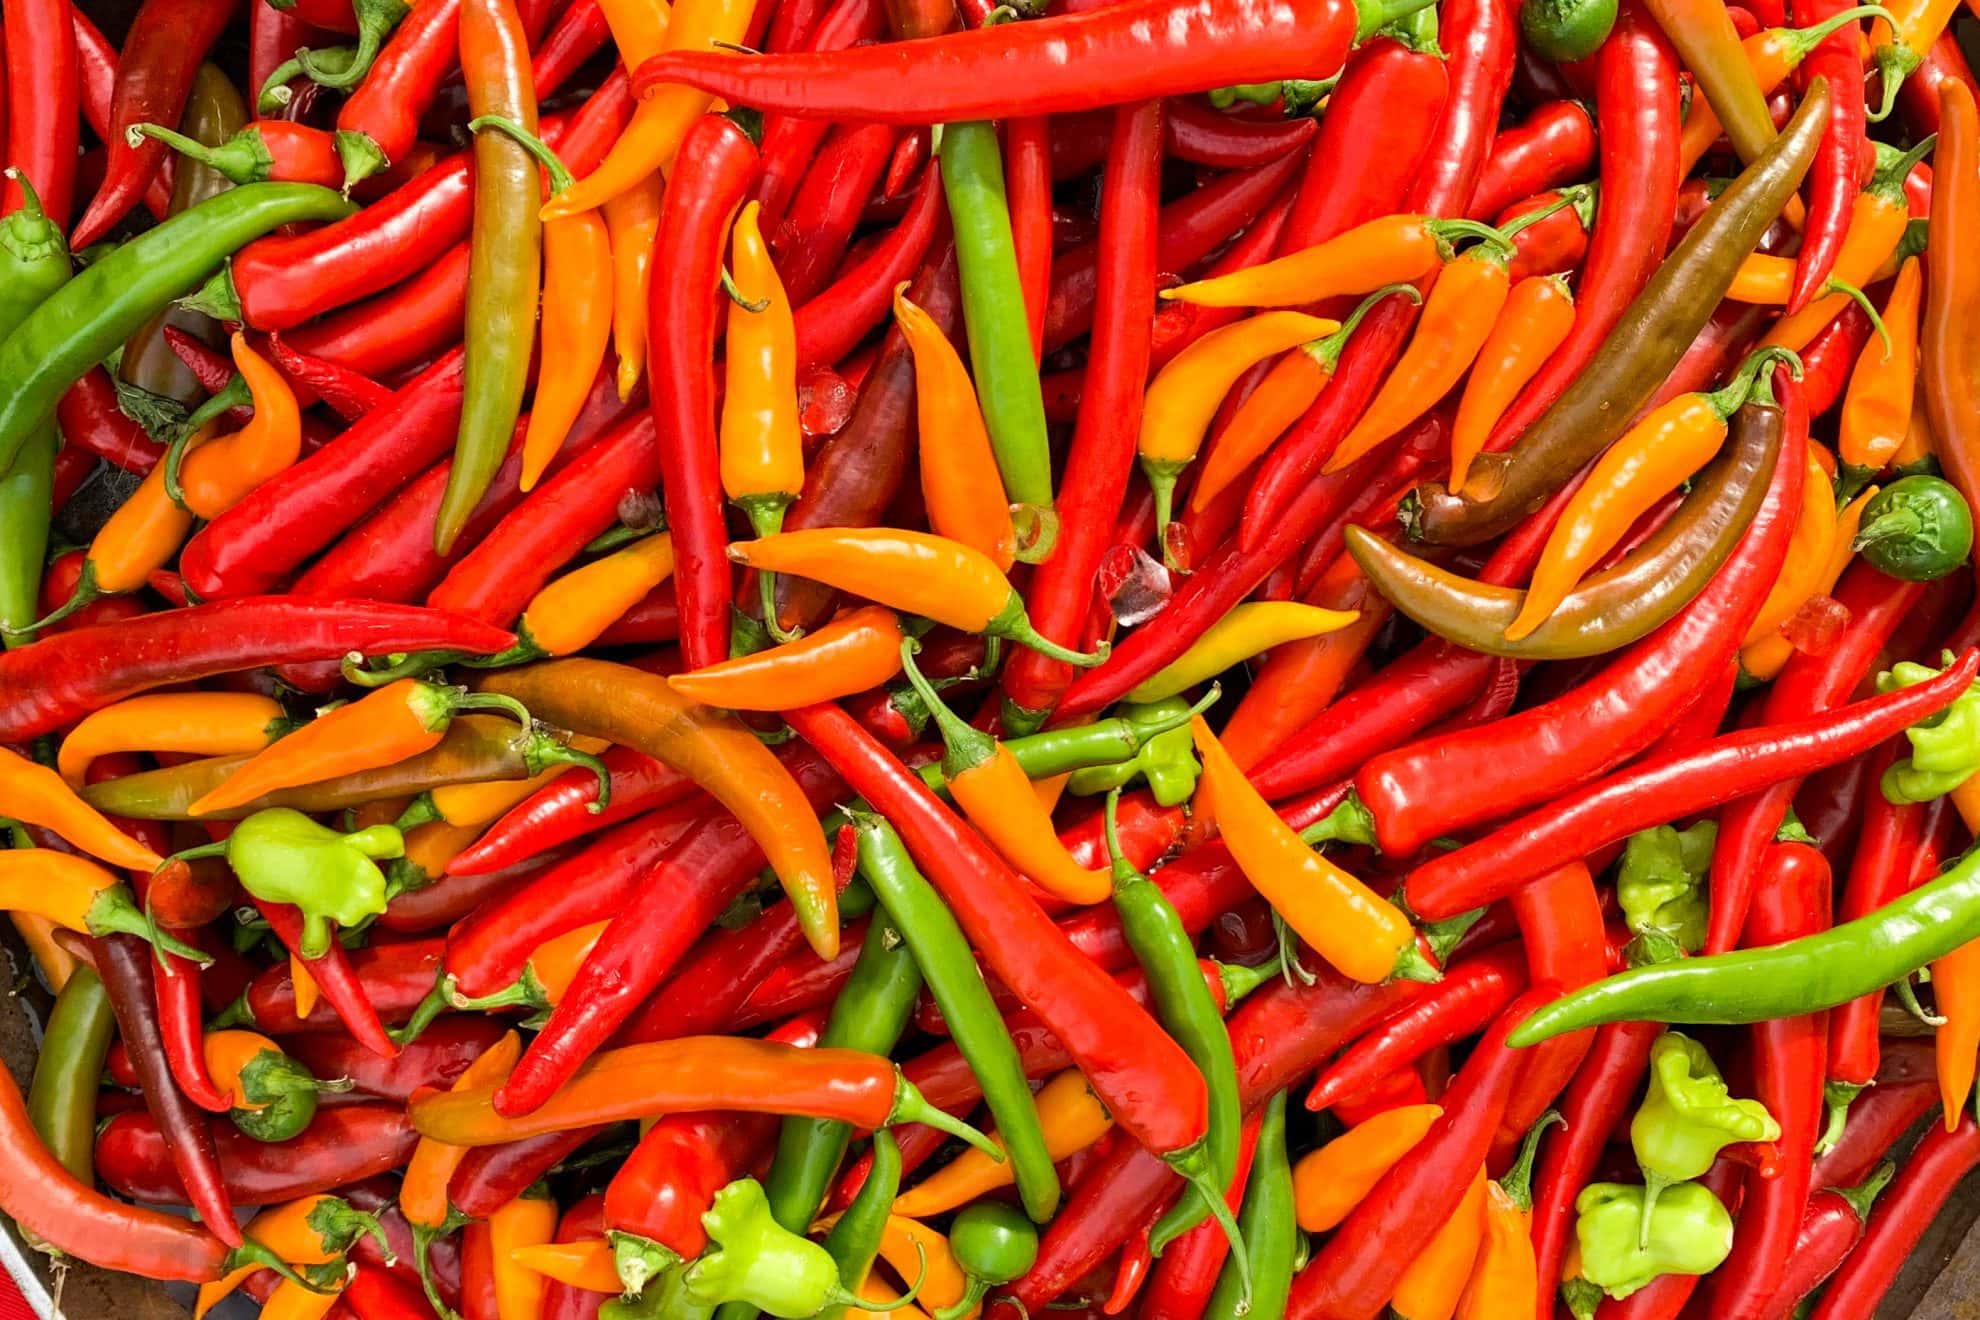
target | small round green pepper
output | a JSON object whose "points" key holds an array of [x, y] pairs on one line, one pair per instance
{"points": [[1917, 528], [1566, 30], [994, 1243]]}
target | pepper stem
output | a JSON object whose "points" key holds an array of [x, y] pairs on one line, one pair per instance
{"points": [[640, 1260], [1161, 474], [973, 1294], [190, 148], [1517, 1182], [1727, 400], [1448, 232], [766, 518], [1864, 1193], [1012, 622], [1569, 196], [1327, 351], [113, 910], [359, 155], [375, 20], [1240, 979], [459, 701], [1862, 299], [910, 1106], [251, 1252], [1895, 63], [30, 199], [400, 664], [423, 1236], [425, 1012], [553, 164], [964, 747], [1653, 1187], [1350, 822], [838, 1296], [1371, 15], [1836, 1100], [86, 593], [1124, 871], [544, 751], [1193, 1163]]}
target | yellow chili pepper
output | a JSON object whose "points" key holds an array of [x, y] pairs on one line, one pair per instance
{"points": [[219, 475], [569, 614], [1429, 1289], [632, 219], [1184, 396], [1330, 1182], [1764, 658], [1248, 630], [1359, 933], [1808, 553], [1918, 442], [530, 1220], [292, 1301], [1877, 223], [960, 483], [1071, 1117], [202, 723], [762, 448], [914, 572], [35, 795], [913, 1251], [585, 1265], [1876, 411]]}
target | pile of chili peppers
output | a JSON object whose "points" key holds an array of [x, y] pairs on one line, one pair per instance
{"points": [[1167, 658]]}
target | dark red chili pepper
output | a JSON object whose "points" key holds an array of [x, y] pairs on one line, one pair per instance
{"points": [[1561, 921], [789, 141], [1638, 126], [656, 618], [60, 679], [1808, 685], [386, 107], [580, 32], [379, 1197], [1830, 1229], [1927, 1178], [351, 394], [1553, 145], [161, 53], [712, 982], [560, 811], [274, 36], [709, 178], [343, 1144], [392, 978], [492, 1176], [1878, 1120], [1102, 454], [1831, 356], [1551, 246], [73, 466], [90, 419], [449, 898], [1833, 178], [334, 976], [43, 105], [832, 323], [442, 1052], [1192, 131], [1918, 94], [1674, 786]]}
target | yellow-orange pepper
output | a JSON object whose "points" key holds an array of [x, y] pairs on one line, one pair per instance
{"points": [[218, 475], [1330, 1182], [632, 219], [1071, 1117], [1808, 553], [1764, 657], [858, 650], [585, 1265], [1876, 410], [569, 614], [35, 795], [1505, 1280], [762, 448], [1394, 249], [1249, 629], [1429, 1289], [1538, 313], [960, 483], [310, 1230], [201, 723]]}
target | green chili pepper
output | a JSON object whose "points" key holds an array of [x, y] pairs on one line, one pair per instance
{"points": [[505, 262], [34, 263], [995, 1245], [870, 1014], [757, 1260], [1945, 748], [1269, 1225], [69, 1069], [86, 320], [855, 1239], [1661, 886], [1916, 528], [1160, 750], [1687, 1118], [999, 336], [283, 856], [975, 1024], [1184, 1004], [1782, 980], [286, 1092], [1689, 1232]]}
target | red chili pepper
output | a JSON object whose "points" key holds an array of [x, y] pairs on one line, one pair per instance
{"points": [[671, 1177], [838, 316], [392, 978], [442, 1052], [1560, 918], [162, 51], [274, 36], [1185, 1276], [43, 105], [181, 1026], [1808, 685], [560, 811], [1830, 357], [1923, 1184], [580, 33], [386, 107], [1553, 145], [826, 208], [335, 977], [96, 64], [1638, 127], [399, 330], [90, 419], [350, 393], [60, 679], [1611, 809], [1102, 454], [492, 1176], [1878, 1120], [1194, 132], [1599, 723], [1918, 94], [377, 1294], [712, 982], [1833, 178], [1551, 246], [344, 1144], [789, 141], [675, 901]]}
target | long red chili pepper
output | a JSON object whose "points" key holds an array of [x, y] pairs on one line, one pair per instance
{"points": [[1560, 918], [162, 51], [709, 179], [1103, 446], [1553, 145], [386, 107], [43, 105], [344, 1144], [1876, 1123], [1808, 685], [1611, 809], [790, 140], [1924, 1182], [90, 419], [440, 1055], [492, 1176], [334, 977], [844, 312], [560, 811], [1833, 177], [827, 205], [181, 1026], [392, 978], [399, 330]]}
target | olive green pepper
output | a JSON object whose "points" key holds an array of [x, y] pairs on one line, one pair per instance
{"points": [[1917, 528]]}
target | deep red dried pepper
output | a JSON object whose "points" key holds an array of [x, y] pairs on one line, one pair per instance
{"points": [[442, 1053]]}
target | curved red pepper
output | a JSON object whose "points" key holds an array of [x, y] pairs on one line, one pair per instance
{"points": [[442, 1052], [1194, 132], [812, 236], [411, 324], [492, 1176], [845, 311], [560, 810], [392, 978], [1923, 1184], [343, 1144], [1834, 176], [1553, 145]]}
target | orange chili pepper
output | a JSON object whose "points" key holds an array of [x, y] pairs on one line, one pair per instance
{"points": [[662, 118], [577, 310], [530, 1220], [1429, 1289], [1956, 1041], [423, 1190], [1184, 396], [570, 613], [1330, 1182], [1808, 552], [585, 1265], [35, 795], [762, 447], [77, 894], [1357, 932], [993, 790], [858, 650], [916, 1251], [292, 1301], [1650, 461], [1897, 49], [960, 483], [1287, 391], [1071, 1117], [1876, 412], [1506, 1277], [218, 475], [228, 1054], [310, 1230], [1919, 444], [401, 719], [1395, 249], [1764, 658], [308, 992], [914, 572], [1537, 316], [632, 218], [57, 964], [201, 723]]}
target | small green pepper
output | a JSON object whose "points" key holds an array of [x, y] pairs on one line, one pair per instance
{"points": [[285, 1093], [1166, 757], [994, 1243], [283, 856], [1566, 30], [1945, 748], [1686, 1119], [1661, 887], [1917, 528], [1688, 1232], [758, 1261]]}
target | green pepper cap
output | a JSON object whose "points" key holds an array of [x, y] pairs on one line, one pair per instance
{"points": [[1689, 1232], [285, 857], [1687, 1118], [1661, 887]]}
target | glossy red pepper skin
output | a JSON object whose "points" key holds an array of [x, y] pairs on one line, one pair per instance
{"points": [[668, 1182], [96, 66], [1834, 177], [1918, 95], [90, 419], [376, 1294], [393, 978], [1638, 126], [442, 1052], [344, 1144], [349, 393], [827, 206], [161, 53], [1830, 357], [1553, 145], [274, 36], [833, 322], [1923, 1184], [403, 328], [1560, 920], [180, 1021], [1553, 246], [710, 177], [492, 1176], [386, 107], [1878, 1120], [789, 141], [579, 33], [1186, 1274], [1806, 686], [560, 811], [1102, 454], [335, 978], [43, 105], [1194, 132]]}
